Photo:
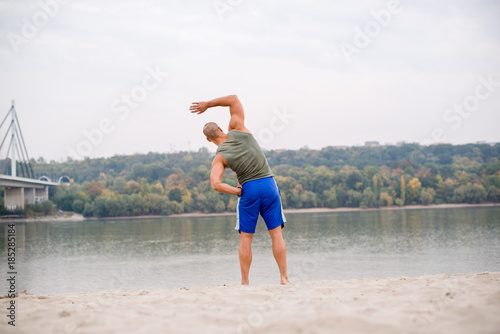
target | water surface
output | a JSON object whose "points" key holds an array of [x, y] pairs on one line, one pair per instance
{"points": [[170, 252]]}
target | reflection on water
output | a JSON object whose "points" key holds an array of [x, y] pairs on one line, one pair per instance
{"points": [[192, 251]]}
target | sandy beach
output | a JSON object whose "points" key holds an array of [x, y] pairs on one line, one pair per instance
{"points": [[462, 303], [62, 217]]}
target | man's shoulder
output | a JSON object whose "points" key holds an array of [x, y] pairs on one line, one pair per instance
{"points": [[219, 158], [239, 133], [241, 128]]}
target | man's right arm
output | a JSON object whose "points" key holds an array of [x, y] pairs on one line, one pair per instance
{"points": [[237, 121], [218, 167]]}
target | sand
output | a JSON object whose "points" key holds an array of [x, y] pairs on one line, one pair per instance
{"points": [[60, 217], [462, 303]]}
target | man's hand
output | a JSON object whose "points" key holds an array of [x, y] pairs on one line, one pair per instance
{"points": [[198, 107]]}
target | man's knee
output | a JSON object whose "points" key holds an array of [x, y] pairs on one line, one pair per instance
{"points": [[276, 233], [246, 237]]}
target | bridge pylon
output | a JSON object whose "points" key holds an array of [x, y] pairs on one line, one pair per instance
{"points": [[16, 148], [22, 188]]}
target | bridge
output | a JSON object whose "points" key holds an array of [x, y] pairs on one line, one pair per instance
{"points": [[24, 188], [20, 190]]}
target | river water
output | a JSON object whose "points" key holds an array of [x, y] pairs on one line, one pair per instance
{"points": [[173, 252]]}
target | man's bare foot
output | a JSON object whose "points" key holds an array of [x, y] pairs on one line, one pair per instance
{"points": [[245, 283], [284, 281]]}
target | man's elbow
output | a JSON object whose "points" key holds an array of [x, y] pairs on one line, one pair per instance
{"points": [[216, 185]]}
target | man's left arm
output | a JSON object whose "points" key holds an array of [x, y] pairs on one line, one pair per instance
{"points": [[218, 168], [237, 121]]}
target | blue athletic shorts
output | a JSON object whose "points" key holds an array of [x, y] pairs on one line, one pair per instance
{"points": [[259, 196]]}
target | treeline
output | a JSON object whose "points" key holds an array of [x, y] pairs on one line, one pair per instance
{"points": [[30, 210], [164, 184]]}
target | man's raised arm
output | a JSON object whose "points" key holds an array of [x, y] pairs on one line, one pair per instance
{"points": [[237, 121]]}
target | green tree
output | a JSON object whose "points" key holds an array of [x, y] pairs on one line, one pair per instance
{"points": [[119, 184], [470, 193], [354, 177], [47, 207], [445, 190], [330, 198], [426, 197], [494, 194], [78, 205], [94, 189], [369, 199], [132, 187], [88, 210], [175, 195], [308, 199], [155, 204], [354, 198], [403, 189], [157, 188], [375, 184], [386, 199]]}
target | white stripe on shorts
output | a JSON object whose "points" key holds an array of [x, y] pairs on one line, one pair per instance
{"points": [[238, 214], [282, 211]]}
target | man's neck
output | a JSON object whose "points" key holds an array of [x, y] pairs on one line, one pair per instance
{"points": [[222, 138]]}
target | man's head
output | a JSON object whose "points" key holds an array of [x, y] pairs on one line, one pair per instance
{"points": [[212, 131]]}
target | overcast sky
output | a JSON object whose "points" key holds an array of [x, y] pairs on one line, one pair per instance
{"points": [[103, 77]]}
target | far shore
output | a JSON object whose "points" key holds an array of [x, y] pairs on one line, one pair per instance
{"points": [[70, 216]]}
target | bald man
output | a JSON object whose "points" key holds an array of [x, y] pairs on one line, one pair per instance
{"points": [[257, 190]]}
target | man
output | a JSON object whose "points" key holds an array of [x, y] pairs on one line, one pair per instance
{"points": [[257, 189]]}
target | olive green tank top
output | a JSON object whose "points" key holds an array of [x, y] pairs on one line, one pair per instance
{"points": [[244, 156]]}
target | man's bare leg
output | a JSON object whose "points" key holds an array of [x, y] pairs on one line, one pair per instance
{"points": [[245, 256], [279, 251]]}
